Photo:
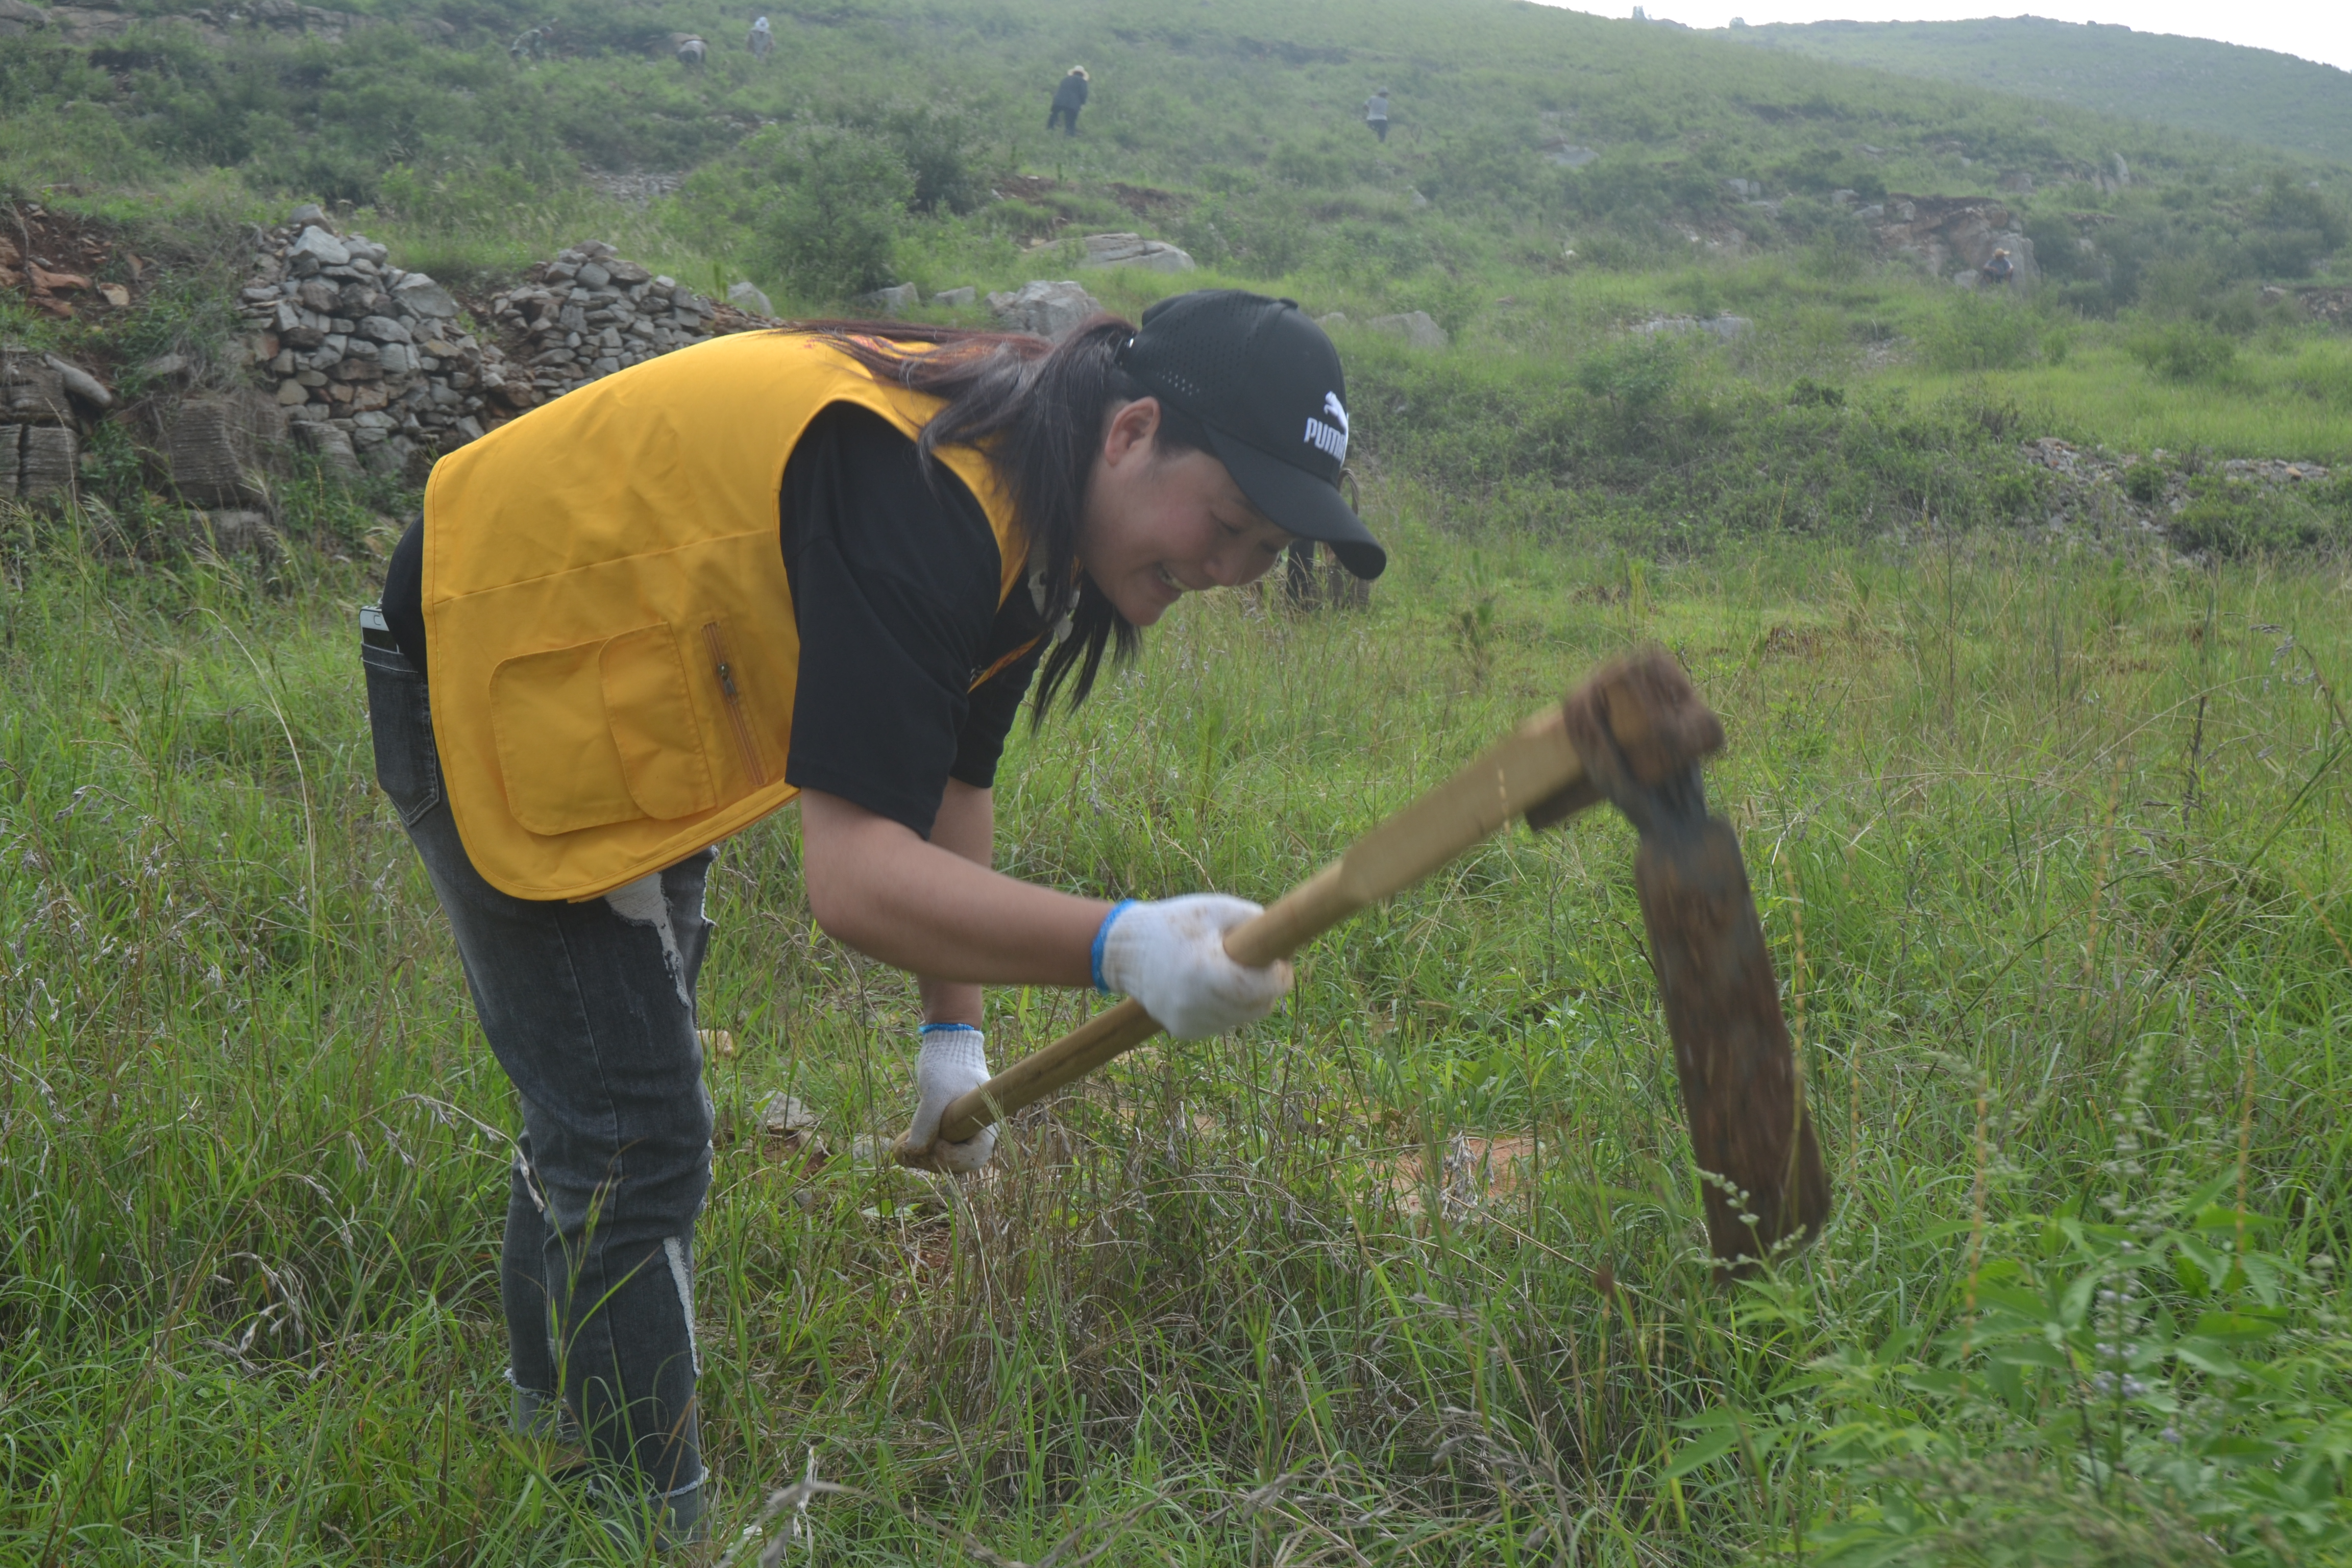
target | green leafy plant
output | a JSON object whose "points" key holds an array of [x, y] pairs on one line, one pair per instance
{"points": [[1980, 332], [835, 222], [2186, 352], [2164, 1384]]}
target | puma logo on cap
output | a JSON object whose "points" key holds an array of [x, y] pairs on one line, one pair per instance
{"points": [[1331, 439]]}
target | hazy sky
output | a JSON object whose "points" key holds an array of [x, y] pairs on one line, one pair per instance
{"points": [[2315, 30]]}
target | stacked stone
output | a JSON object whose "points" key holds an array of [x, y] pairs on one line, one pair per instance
{"points": [[368, 361], [40, 444], [589, 312]]}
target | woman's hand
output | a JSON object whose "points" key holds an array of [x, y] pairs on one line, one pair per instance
{"points": [[1171, 956], [874, 885]]}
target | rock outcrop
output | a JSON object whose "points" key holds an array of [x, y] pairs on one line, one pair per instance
{"points": [[1048, 310], [1728, 327], [1415, 327], [1950, 236], [1134, 250]]}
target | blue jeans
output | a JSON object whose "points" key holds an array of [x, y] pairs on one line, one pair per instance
{"points": [[590, 1009]]}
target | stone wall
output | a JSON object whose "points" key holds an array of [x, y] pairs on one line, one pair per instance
{"points": [[369, 361], [590, 312], [377, 369], [44, 402]]}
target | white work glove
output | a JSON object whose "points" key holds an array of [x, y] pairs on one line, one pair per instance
{"points": [[1169, 955], [954, 1061]]}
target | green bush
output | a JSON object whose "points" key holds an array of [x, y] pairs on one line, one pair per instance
{"points": [[2227, 520], [1979, 332], [940, 146], [2145, 481], [836, 220], [2186, 352], [2291, 227]]}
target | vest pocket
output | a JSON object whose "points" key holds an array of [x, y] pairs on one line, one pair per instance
{"points": [[600, 733], [655, 730]]}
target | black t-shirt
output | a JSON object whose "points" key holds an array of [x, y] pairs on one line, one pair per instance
{"points": [[894, 587]]}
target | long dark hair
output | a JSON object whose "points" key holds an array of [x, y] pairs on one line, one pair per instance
{"points": [[1035, 409]]}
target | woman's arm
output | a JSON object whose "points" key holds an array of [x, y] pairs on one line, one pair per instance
{"points": [[966, 826], [935, 908]]}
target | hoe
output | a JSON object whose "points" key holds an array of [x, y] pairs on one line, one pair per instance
{"points": [[1633, 735]]}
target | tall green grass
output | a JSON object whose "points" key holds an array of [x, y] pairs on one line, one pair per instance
{"points": [[2050, 845]]}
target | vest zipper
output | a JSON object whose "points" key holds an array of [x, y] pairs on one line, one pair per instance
{"points": [[734, 704]]}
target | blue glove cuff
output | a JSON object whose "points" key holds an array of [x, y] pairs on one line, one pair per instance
{"points": [[930, 1029], [1102, 935]]}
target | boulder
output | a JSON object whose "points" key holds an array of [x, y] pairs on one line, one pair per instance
{"points": [[957, 296], [47, 463], [383, 330], [1728, 327], [169, 367], [1050, 310], [17, 17], [1568, 156], [321, 247], [233, 530], [1414, 327], [1134, 250], [331, 447], [80, 385], [749, 299], [309, 215], [895, 301], [418, 295]]}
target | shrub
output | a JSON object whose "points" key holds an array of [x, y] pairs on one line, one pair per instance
{"points": [[2228, 520], [832, 229], [2291, 227], [2186, 352], [1808, 393], [2146, 481], [937, 146], [1981, 333]]}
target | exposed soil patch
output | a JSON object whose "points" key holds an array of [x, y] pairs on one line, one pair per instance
{"points": [[1472, 1173], [66, 266]]}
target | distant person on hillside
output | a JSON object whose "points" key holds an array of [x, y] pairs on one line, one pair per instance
{"points": [[690, 52], [1376, 113], [764, 39], [532, 44], [1999, 268], [1068, 99]]}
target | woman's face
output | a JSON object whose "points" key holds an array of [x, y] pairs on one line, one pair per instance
{"points": [[1159, 525]]}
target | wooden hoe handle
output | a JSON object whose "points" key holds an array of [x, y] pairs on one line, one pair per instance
{"points": [[1534, 772]]}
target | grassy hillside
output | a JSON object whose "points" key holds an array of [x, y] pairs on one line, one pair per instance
{"points": [[2228, 89]]}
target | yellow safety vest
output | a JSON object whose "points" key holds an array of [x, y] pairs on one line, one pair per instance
{"points": [[608, 623]]}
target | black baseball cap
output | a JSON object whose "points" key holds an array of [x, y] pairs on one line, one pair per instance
{"points": [[1264, 381]]}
